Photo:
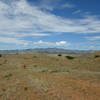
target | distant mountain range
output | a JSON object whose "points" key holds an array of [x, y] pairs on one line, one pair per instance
{"points": [[47, 51]]}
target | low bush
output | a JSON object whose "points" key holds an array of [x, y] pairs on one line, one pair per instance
{"points": [[24, 66], [97, 56], [3, 90], [8, 76], [59, 54], [25, 88], [0, 55], [70, 57], [34, 56], [35, 66]]}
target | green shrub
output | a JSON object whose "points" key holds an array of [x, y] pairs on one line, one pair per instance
{"points": [[59, 54], [97, 56], [0, 55], [35, 66], [70, 57], [34, 56]]}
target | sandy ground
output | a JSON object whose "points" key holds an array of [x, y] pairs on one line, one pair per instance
{"points": [[46, 77]]}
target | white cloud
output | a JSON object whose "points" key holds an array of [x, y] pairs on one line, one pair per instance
{"points": [[32, 35], [52, 44], [20, 16], [86, 45], [51, 5], [93, 38], [13, 41], [8, 40], [28, 34], [77, 12], [19, 19], [68, 5]]}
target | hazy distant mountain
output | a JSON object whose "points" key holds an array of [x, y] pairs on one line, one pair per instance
{"points": [[46, 51]]}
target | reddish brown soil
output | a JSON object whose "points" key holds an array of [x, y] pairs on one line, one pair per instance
{"points": [[35, 78]]}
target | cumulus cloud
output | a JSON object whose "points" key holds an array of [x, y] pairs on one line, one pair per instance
{"points": [[53, 44]]}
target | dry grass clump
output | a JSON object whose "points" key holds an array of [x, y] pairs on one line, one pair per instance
{"points": [[8, 75]]}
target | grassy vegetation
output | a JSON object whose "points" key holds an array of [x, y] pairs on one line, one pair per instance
{"points": [[56, 71]]}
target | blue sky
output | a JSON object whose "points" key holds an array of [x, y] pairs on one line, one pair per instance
{"points": [[69, 24]]}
